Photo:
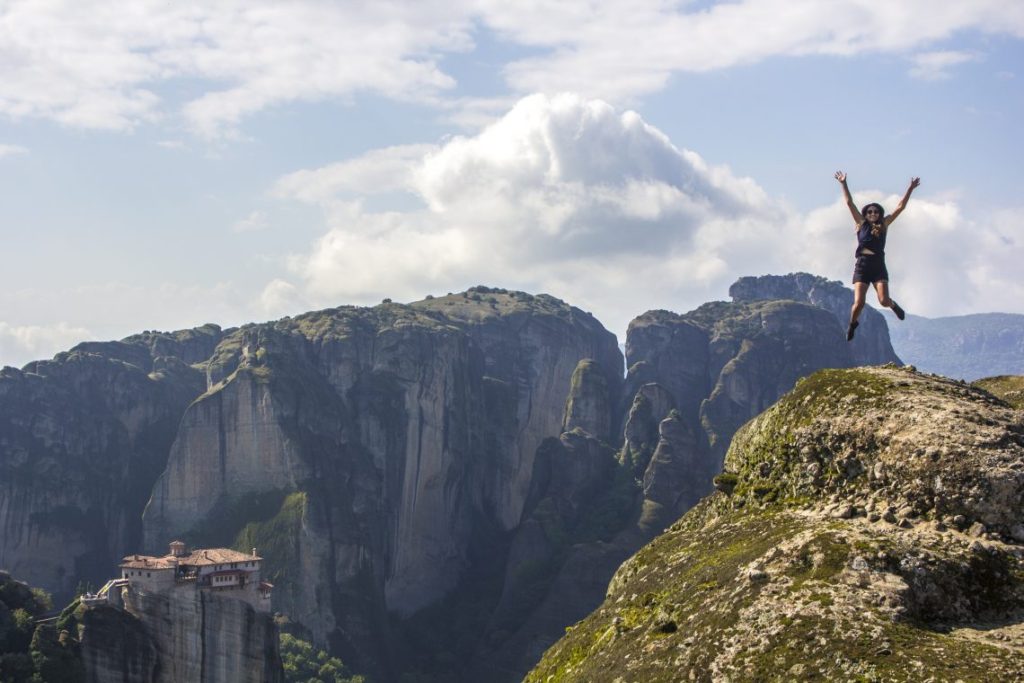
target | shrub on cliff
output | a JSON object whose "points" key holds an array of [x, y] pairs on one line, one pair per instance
{"points": [[31, 653], [304, 663]]}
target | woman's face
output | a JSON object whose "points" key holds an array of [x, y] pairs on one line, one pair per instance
{"points": [[873, 214]]}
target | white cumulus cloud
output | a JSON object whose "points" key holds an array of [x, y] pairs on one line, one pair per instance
{"points": [[569, 196], [562, 194]]}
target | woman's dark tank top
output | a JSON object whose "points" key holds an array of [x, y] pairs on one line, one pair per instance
{"points": [[866, 240]]}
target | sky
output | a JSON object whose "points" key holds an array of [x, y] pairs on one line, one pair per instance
{"points": [[165, 165]]}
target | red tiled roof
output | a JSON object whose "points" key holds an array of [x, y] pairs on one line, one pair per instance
{"points": [[198, 558], [208, 556], [147, 562]]}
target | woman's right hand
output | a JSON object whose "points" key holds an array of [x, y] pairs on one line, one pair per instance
{"points": [[840, 176]]}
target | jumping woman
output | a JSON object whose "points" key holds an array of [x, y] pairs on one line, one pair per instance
{"points": [[872, 225]]}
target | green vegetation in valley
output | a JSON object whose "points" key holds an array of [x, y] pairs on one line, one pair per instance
{"points": [[304, 663], [31, 652]]}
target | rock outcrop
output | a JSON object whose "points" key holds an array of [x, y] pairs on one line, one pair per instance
{"points": [[83, 437], [717, 367], [180, 635], [869, 526], [964, 346], [870, 346], [693, 380], [1010, 388], [403, 427]]}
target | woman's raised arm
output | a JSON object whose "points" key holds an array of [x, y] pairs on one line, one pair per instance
{"points": [[914, 182], [854, 211]]}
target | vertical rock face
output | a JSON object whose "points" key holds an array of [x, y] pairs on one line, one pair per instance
{"points": [[693, 380], [701, 375], [82, 439], [677, 475], [589, 404], [183, 635], [871, 345], [402, 426]]}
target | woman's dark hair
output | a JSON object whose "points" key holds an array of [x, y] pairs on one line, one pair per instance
{"points": [[876, 230], [864, 211]]}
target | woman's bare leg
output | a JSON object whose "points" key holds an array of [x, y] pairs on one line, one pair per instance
{"points": [[860, 289], [882, 290]]}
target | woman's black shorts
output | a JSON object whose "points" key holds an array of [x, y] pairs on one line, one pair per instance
{"points": [[870, 269]]}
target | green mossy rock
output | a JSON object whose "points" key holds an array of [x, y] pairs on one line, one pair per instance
{"points": [[1010, 388], [871, 532]]}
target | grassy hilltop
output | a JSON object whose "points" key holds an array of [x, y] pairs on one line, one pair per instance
{"points": [[868, 527]]}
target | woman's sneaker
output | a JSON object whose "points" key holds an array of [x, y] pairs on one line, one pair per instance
{"points": [[850, 330], [900, 313]]}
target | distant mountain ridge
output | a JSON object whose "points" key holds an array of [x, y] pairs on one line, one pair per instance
{"points": [[965, 347]]}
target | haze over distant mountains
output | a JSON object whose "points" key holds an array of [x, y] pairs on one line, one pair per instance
{"points": [[962, 347]]}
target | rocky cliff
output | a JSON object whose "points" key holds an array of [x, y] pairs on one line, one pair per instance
{"points": [[869, 526], [965, 346], [871, 345], [717, 366], [693, 379], [182, 635], [83, 437], [359, 449]]}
